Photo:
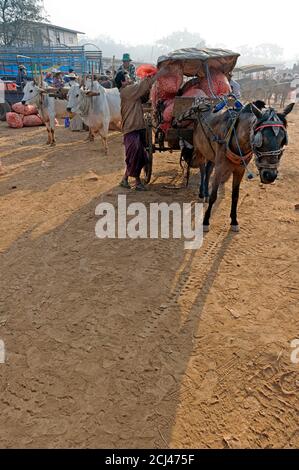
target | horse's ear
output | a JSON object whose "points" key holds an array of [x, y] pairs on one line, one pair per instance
{"points": [[256, 111], [288, 109], [260, 104]]}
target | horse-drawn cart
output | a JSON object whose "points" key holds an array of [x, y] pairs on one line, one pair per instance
{"points": [[199, 67], [256, 81]]}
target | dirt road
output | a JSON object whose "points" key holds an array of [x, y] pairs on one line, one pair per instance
{"points": [[142, 344]]}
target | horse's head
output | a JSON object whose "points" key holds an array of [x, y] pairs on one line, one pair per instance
{"points": [[269, 139]]}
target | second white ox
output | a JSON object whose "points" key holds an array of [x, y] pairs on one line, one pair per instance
{"points": [[97, 112]]}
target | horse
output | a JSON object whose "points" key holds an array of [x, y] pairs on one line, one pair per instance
{"points": [[228, 139]]}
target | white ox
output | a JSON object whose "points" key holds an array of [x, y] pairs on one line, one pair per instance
{"points": [[48, 107], [97, 112]]}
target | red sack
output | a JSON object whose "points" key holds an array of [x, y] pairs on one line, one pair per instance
{"points": [[169, 85], [14, 120], [32, 121], [168, 111], [146, 70], [195, 92], [218, 84], [154, 95], [26, 110], [165, 126], [10, 86]]}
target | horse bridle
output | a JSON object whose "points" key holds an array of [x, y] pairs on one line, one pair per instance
{"points": [[275, 124]]}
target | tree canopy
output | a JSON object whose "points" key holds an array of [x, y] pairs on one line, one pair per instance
{"points": [[15, 17]]}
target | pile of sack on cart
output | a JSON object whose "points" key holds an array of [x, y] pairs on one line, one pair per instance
{"points": [[194, 73], [23, 116], [168, 87]]}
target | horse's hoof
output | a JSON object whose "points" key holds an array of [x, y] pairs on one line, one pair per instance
{"points": [[235, 228], [206, 228], [53, 144]]}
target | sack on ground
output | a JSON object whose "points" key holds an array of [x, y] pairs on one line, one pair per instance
{"points": [[14, 120], [26, 110], [32, 121]]}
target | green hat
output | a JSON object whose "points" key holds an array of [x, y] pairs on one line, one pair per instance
{"points": [[127, 58]]}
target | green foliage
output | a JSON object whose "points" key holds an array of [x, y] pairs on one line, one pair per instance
{"points": [[16, 16]]}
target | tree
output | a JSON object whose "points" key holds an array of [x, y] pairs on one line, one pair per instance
{"points": [[148, 52], [16, 16], [181, 39], [260, 54]]}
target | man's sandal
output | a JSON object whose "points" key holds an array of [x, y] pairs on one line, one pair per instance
{"points": [[140, 187], [124, 184]]}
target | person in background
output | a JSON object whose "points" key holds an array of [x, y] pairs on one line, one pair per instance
{"points": [[58, 81], [128, 67], [236, 89], [21, 77], [66, 78], [105, 82], [71, 78], [49, 78], [133, 125]]}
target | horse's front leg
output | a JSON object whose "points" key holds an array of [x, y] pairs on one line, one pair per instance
{"points": [[237, 178], [202, 181], [212, 200], [223, 171], [209, 170]]}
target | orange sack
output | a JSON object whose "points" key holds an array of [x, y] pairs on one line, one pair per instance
{"points": [[10, 86], [26, 110], [14, 120], [146, 70], [32, 121]]}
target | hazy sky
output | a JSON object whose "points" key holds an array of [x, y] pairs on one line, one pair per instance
{"points": [[232, 22]]}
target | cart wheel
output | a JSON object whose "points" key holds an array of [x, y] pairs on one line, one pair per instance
{"points": [[148, 169], [4, 108]]}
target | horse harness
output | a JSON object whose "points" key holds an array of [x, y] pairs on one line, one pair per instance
{"points": [[230, 155], [271, 121]]}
